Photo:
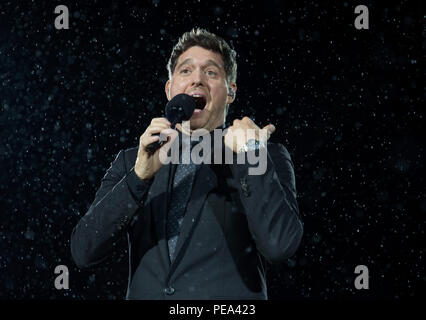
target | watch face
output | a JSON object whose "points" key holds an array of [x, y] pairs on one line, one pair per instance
{"points": [[252, 144]]}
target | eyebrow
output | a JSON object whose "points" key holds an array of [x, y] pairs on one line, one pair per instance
{"points": [[189, 61]]}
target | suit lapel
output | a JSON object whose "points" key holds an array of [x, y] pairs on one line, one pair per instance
{"points": [[159, 197]]}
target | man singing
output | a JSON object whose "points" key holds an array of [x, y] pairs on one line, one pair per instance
{"points": [[195, 231]]}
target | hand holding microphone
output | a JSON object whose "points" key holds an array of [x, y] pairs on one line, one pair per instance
{"points": [[180, 108]]}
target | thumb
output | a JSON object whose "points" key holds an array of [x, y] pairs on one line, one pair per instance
{"points": [[270, 128]]}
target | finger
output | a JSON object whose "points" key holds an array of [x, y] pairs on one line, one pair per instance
{"points": [[265, 133], [246, 120], [160, 120], [270, 127], [171, 135], [156, 129], [145, 141], [236, 138]]}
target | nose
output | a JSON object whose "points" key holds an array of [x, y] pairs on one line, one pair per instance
{"points": [[198, 78]]}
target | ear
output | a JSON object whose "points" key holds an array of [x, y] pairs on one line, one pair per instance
{"points": [[167, 89], [233, 87]]}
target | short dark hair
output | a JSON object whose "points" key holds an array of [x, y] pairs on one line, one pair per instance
{"points": [[207, 40]]}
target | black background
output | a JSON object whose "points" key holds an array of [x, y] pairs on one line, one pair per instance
{"points": [[347, 104]]}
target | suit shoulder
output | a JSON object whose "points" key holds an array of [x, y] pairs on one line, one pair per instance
{"points": [[125, 159]]}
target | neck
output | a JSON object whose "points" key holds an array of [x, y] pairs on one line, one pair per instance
{"points": [[184, 129]]}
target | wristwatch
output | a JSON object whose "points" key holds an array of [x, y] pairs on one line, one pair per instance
{"points": [[252, 144]]}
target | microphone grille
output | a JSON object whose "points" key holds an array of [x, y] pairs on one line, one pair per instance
{"points": [[179, 108]]}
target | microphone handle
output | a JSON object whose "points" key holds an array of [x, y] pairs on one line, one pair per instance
{"points": [[152, 147]]}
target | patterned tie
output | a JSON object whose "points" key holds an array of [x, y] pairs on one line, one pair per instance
{"points": [[182, 187]]}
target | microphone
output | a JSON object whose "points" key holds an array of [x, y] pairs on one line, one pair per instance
{"points": [[179, 108]]}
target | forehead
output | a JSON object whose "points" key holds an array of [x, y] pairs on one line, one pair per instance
{"points": [[199, 55]]}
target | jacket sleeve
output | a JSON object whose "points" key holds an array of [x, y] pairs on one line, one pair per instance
{"points": [[269, 200], [121, 193]]}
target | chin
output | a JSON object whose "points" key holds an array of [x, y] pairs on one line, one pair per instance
{"points": [[198, 121], [196, 124]]}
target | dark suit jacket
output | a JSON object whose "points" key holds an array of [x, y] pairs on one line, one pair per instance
{"points": [[233, 222]]}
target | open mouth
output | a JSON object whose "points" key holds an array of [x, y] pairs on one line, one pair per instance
{"points": [[200, 102]]}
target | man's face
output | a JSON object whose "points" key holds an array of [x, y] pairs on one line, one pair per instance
{"points": [[200, 73]]}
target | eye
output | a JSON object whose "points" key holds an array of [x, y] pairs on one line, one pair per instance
{"points": [[211, 73], [184, 71]]}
